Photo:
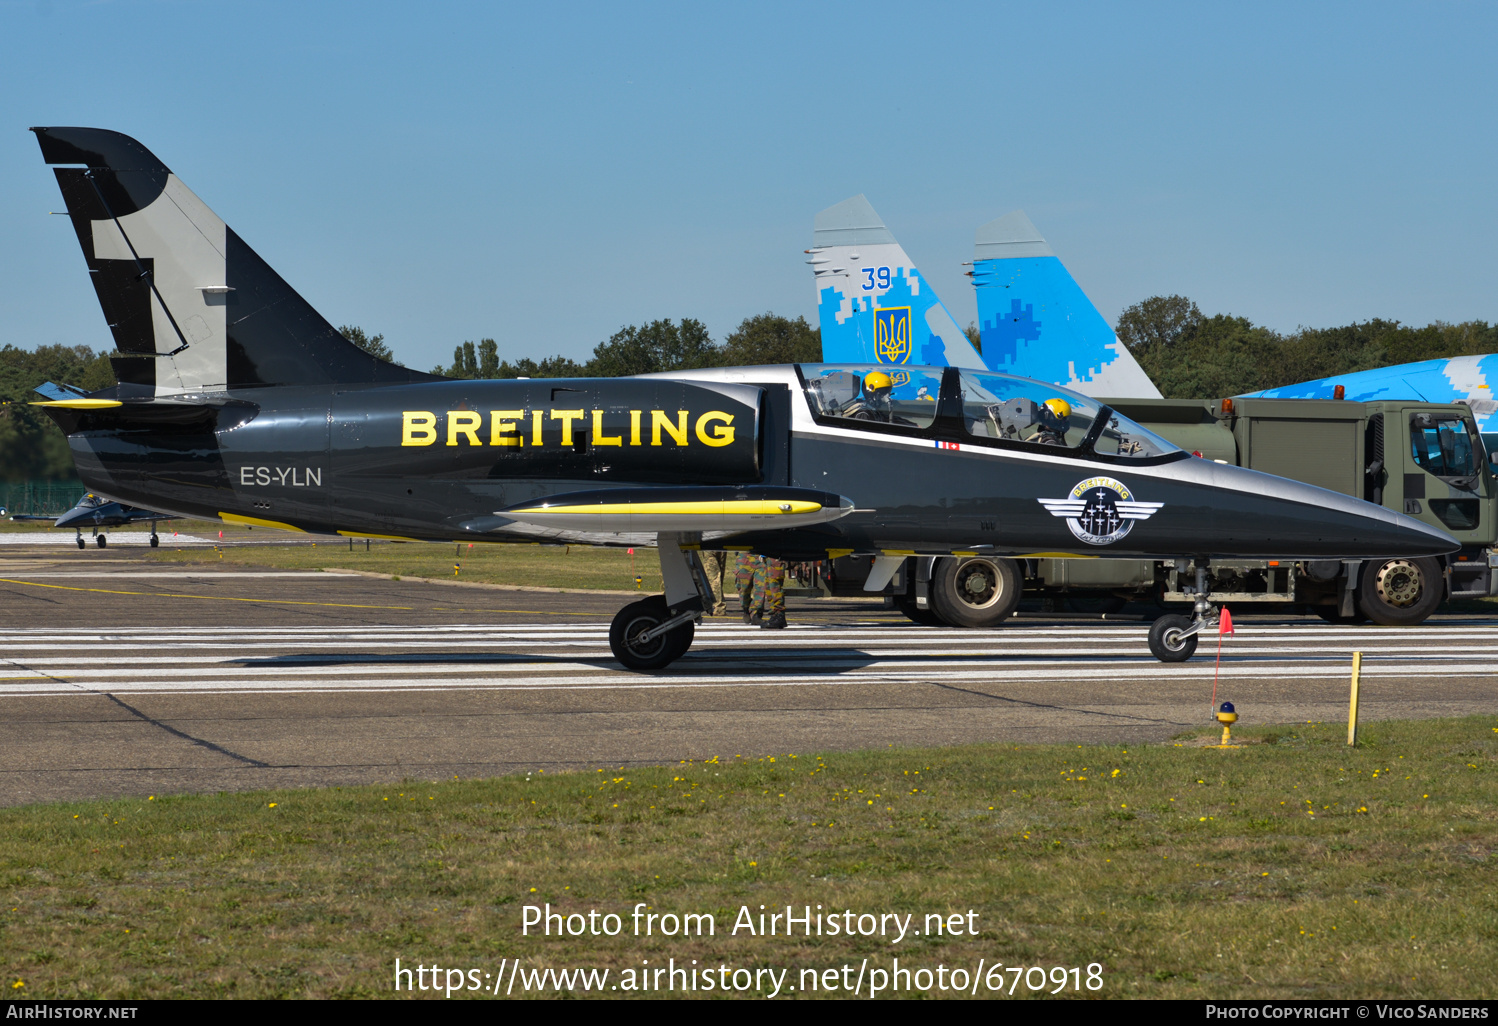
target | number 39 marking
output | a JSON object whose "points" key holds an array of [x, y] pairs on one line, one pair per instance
{"points": [[875, 278]]}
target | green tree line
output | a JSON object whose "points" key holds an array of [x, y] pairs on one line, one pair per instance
{"points": [[1190, 355], [31, 446], [663, 345]]}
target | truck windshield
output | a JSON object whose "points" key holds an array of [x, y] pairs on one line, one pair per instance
{"points": [[1443, 446], [1022, 410]]}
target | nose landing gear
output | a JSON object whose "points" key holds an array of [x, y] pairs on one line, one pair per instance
{"points": [[1173, 637]]}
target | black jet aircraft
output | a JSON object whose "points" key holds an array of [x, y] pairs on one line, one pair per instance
{"points": [[238, 401], [100, 513]]}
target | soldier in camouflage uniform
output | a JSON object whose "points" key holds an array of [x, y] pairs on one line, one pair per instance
{"points": [[761, 586], [714, 563]]}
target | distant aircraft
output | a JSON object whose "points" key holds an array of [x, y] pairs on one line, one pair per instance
{"points": [[1458, 379], [874, 306], [872, 303], [238, 401], [98, 512], [1034, 320]]}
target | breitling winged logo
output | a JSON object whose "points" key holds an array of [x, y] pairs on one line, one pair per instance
{"points": [[1101, 510]]}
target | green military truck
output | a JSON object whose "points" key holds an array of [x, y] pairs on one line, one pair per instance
{"points": [[1423, 459]]}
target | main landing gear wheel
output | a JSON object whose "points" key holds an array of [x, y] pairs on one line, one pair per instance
{"points": [[155, 541], [1400, 592], [81, 542], [974, 591], [101, 541], [1168, 641], [637, 618]]}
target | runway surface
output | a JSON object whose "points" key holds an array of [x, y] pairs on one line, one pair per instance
{"points": [[131, 677]]}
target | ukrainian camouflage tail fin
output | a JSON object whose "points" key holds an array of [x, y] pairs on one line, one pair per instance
{"points": [[191, 306], [1035, 321], [873, 304]]}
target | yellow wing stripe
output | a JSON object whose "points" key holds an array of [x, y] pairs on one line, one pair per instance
{"points": [[731, 507], [383, 537], [80, 404], [235, 518]]}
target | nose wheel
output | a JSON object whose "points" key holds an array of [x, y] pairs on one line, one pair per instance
{"points": [[1173, 637]]}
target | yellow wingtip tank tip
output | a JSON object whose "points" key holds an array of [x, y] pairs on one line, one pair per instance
{"points": [[79, 404]]}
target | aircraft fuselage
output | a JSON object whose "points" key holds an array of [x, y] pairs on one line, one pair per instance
{"points": [[450, 459]]}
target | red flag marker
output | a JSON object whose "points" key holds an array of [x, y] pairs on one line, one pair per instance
{"points": [[1224, 626]]}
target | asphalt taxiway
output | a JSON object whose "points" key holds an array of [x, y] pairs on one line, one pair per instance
{"points": [[123, 676]]}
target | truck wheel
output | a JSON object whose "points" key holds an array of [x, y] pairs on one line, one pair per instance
{"points": [[974, 591], [638, 617], [1400, 592], [913, 612], [1167, 643]]}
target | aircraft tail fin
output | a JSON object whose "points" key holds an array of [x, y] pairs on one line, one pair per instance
{"points": [[874, 306], [1035, 321], [191, 306]]}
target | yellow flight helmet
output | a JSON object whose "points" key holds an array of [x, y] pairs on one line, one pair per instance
{"points": [[1060, 407], [878, 381]]}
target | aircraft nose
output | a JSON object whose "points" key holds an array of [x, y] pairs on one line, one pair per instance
{"points": [[1295, 520]]}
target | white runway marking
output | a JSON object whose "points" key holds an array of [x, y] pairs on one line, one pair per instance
{"points": [[235, 660]]}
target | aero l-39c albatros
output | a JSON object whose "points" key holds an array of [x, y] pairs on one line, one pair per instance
{"points": [[239, 401], [100, 513]]}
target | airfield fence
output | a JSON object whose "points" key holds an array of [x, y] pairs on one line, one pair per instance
{"points": [[39, 498]]}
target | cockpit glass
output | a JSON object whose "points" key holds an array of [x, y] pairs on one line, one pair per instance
{"points": [[871, 394], [1022, 410], [1443, 445]]}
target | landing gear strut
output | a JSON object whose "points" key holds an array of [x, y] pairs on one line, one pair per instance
{"points": [[1173, 637], [654, 632]]}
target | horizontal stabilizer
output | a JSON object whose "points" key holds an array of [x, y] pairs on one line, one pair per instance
{"points": [[52, 390], [683, 509]]}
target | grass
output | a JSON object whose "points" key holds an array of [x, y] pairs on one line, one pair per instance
{"points": [[1291, 868], [532, 566]]}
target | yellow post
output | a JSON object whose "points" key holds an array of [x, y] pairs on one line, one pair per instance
{"points": [[1352, 708]]}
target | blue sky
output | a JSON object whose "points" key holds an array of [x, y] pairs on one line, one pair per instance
{"points": [[544, 174]]}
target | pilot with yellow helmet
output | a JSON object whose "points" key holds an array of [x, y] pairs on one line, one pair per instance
{"points": [[875, 401], [1052, 419]]}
